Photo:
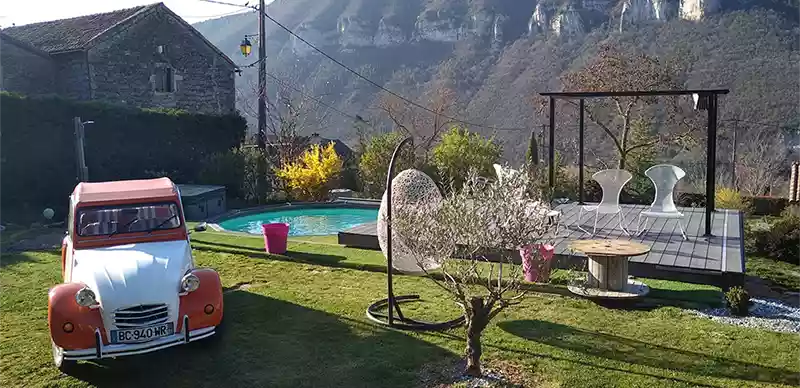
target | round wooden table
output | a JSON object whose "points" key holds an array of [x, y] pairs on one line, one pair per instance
{"points": [[608, 267]]}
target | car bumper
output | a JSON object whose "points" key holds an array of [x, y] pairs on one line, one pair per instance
{"points": [[120, 350]]}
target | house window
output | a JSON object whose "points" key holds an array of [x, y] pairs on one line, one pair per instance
{"points": [[165, 80]]}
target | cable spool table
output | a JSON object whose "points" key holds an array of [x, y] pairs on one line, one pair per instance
{"points": [[608, 269]]}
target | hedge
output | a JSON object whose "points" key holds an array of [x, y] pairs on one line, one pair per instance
{"points": [[38, 148]]}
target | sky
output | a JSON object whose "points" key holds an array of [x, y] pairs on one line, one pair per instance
{"points": [[22, 12]]}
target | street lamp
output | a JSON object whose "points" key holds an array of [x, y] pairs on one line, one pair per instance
{"points": [[246, 47]]}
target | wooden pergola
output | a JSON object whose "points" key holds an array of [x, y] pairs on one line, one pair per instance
{"points": [[706, 99]]}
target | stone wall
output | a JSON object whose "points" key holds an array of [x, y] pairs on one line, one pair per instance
{"points": [[25, 71], [72, 77], [123, 67]]}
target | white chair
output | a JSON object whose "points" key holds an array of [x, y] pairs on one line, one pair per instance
{"points": [[611, 181], [664, 177], [553, 215], [503, 172]]}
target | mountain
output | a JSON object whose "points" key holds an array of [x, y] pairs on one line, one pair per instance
{"points": [[497, 54]]}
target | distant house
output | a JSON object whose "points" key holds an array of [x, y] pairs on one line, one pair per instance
{"points": [[301, 142], [145, 56]]}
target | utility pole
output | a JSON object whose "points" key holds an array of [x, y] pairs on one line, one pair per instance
{"points": [[262, 75], [733, 164]]}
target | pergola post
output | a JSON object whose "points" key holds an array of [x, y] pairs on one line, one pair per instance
{"points": [[552, 139], [580, 153], [711, 160]]}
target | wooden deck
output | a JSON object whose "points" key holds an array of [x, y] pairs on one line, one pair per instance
{"points": [[718, 259]]}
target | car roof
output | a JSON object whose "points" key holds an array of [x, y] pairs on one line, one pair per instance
{"points": [[103, 192]]}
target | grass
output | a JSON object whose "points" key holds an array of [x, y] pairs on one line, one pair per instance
{"points": [[300, 322], [780, 273]]}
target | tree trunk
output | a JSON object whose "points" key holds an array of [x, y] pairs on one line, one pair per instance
{"points": [[623, 160], [475, 325]]}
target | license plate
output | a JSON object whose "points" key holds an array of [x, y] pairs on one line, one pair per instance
{"points": [[142, 334]]}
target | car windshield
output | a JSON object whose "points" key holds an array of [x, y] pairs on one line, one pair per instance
{"points": [[101, 221]]}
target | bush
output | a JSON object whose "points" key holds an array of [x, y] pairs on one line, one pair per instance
{"points": [[767, 205], [791, 211], [738, 301], [461, 151], [374, 164], [227, 169], [38, 153], [781, 241], [310, 176], [728, 198]]}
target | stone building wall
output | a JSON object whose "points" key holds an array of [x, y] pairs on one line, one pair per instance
{"points": [[72, 77], [25, 71], [127, 66]]}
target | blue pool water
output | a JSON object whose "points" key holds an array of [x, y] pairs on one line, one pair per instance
{"points": [[304, 222]]}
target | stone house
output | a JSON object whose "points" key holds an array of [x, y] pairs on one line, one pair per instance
{"points": [[145, 56]]}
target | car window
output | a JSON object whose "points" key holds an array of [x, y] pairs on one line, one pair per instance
{"points": [[99, 221]]}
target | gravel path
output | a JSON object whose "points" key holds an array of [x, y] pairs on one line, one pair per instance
{"points": [[767, 314]]}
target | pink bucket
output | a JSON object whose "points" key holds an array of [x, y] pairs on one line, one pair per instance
{"points": [[275, 237], [536, 265]]}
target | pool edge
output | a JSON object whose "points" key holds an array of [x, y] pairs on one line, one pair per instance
{"points": [[213, 222]]}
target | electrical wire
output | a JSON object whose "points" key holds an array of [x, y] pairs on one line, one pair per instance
{"points": [[312, 98], [359, 75], [404, 99], [241, 11]]}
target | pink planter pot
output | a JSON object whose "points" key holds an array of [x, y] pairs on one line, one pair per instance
{"points": [[276, 237], [536, 261]]}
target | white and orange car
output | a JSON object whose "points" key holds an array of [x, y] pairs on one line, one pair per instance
{"points": [[130, 283]]}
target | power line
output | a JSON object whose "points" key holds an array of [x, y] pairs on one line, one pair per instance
{"points": [[359, 75], [312, 98], [406, 100], [242, 11]]}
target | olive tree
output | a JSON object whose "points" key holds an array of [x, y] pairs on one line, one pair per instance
{"points": [[474, 234]]}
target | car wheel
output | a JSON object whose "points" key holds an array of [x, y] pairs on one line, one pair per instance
{"points": [[65, 366]]}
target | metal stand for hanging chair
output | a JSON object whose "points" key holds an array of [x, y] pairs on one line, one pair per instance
{"points": [[392, 303]]}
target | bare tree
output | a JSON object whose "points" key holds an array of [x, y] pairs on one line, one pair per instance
{"points": [[614, 69], [759, 160], [290, 114], [425, 127], [472, 235]]}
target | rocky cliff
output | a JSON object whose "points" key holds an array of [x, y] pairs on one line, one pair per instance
{"points": [[496, 54]]}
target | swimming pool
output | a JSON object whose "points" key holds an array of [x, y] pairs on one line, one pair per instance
{"points": [[304, 221]]}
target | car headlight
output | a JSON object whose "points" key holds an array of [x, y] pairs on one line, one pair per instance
{"points": [[190, 282], [85, 297]]}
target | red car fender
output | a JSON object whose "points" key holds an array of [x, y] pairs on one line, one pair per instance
{"points": [[63, 309], [194, 303], [63, 257]]}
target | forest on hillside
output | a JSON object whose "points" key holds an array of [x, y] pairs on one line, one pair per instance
{"points": [[490, 82]]}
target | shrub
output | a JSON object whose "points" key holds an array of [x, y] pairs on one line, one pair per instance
{"points": [[310, 176], [767, 205], [461, 151], [781, 241], [728, 198], [123, 143], [374, 164], [227, 169], [791, 211], [738, 301]]}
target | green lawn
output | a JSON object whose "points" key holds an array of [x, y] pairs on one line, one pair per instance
{"points": [[782, 274], [298, 320]]}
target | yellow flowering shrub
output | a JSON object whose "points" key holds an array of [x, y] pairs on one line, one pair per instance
{"points": [[309, 177]]}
